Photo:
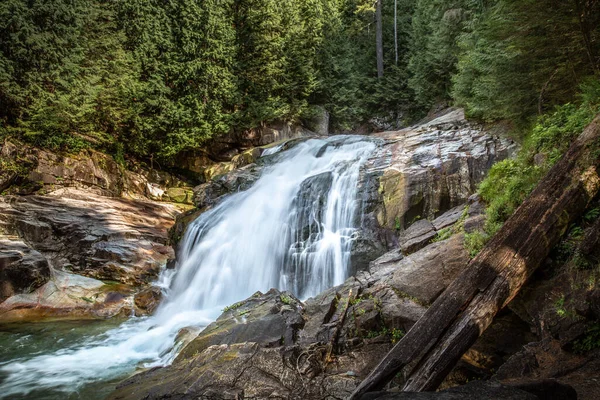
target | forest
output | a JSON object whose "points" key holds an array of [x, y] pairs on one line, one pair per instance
{"points": [[150, 79]]}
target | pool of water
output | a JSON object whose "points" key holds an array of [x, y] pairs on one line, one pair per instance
{"points": [[23, 342]]}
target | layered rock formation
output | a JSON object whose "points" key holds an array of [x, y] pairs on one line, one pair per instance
{"points": [[48, 244], [433, 167]]}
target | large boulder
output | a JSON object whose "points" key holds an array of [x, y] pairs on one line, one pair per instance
{"points": [[272, 319], [68, 296], [425, 274]]}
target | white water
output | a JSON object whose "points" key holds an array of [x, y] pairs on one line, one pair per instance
{"points": [[251, 241]]}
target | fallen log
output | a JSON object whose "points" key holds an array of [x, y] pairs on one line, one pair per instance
{"points": [[429, 351]]}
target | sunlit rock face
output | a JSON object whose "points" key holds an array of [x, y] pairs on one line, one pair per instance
{"points": [[48, 244], [433, 167]]}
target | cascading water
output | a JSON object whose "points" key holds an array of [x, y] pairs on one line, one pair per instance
{"points": [[293, 230]]}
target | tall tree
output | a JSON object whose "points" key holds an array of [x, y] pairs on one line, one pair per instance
{"points": [[525, 56], [379, 38]]}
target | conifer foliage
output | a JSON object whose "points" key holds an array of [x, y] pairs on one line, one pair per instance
{"points": [[152, 78]]}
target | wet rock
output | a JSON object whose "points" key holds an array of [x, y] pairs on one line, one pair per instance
{"points": [[147, 301], [208, 194], [417, 236], [22, 269], [178, 229], [310, 203]]}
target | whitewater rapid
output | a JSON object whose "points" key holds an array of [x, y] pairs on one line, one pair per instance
{"points": [[292, 230]]}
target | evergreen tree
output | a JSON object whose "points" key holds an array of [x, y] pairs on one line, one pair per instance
{"points": [[525, 56], [436, 25]]}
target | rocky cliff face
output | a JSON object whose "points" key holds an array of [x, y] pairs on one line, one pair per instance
{"points": [[36, 171], [48, 244], [431, 168]]}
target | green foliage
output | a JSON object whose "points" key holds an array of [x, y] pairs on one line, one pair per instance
{"points": [[394, 334], [526, 56], [443, 234], [436, 25], [151, 79], [285, 299], [590, 341], [509, 182], [559, 306], [475, 241]]}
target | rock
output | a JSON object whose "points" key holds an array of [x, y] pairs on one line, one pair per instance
{"points": [[67, 296], [207, 194], [449, 218], [95, 236], [546, 360], [417, 236], [432, 168], [272, 319], [246, 158], [40, 171], [475, 390], [22, 269], [147, 301], [425, 274], [319, 121], [182, 221], [180, 195], [218, 170]]}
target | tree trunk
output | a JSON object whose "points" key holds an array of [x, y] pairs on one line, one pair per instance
{"points": [[467, 307], [396, 30], [379, 39]]}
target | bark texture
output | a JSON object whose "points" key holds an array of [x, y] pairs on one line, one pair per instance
{"points": [[379, 38], [462, 313]]}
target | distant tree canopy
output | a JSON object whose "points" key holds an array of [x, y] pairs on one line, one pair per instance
{"points": [[152, 78]]}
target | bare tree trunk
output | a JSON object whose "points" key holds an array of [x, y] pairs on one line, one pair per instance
{"points": [[379, 39], [467, 307], [396, 29]]}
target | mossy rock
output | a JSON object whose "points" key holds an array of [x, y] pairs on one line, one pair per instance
{"points": [[180, 195]]}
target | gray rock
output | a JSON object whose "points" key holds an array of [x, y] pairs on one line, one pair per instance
{"points": [[432, 168], [448, 218], [22, 269], [272, 320], [417, 236], [425, 274]]}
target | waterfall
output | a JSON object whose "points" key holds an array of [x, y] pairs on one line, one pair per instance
{"points": [[292, 230]]}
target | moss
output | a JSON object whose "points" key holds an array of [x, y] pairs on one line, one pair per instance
{"points": [[234, 306], [285, 299]]}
